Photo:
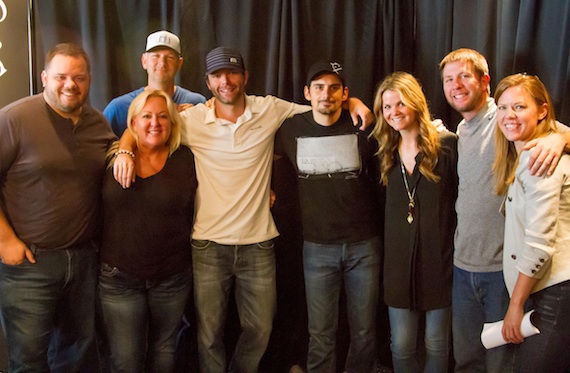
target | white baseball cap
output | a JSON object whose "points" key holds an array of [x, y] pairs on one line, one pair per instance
{"points": [[163, 39]]}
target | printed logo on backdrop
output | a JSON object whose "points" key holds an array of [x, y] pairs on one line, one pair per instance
{"points": [[328, 157], [3, 15]]}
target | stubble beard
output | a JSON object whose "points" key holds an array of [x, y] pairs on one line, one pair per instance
{"points": [[58, 103]]}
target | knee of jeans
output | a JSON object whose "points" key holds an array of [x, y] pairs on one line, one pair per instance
{"points": [[402, 353], [261, 331], [402, 346], [125, 364], [28, 355], [437, 347]]}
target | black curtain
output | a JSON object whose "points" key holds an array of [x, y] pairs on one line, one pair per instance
{"points": [[279, 39]]}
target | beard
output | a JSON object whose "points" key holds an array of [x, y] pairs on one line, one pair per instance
{"points": [[234, 99], [55, 100], [328, 109], [470, 105]]}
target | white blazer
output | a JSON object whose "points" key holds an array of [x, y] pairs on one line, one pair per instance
{"points": [[537, 226]]}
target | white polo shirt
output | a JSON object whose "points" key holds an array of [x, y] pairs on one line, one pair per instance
{"points": [[233, 167]]}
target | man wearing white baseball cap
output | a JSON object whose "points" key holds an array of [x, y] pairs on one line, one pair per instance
{"points": [[162, 60]]}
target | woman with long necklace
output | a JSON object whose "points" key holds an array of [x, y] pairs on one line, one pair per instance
{"points": [[418, 168]]}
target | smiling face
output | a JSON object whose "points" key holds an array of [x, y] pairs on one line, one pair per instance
{"points": [[326, 94], [399, 116], [152, 125], [464, 90], [161, 64], [228, 85], [66, 83], [518, 114]]}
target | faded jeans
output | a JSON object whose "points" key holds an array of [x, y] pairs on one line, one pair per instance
{"points": [[250, 269], [326, 268], [404, 331]]}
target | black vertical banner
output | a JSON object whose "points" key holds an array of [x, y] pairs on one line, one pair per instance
{"points": [[14, 51], [14, 74]]}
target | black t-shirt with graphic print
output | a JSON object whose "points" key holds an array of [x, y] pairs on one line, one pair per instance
{"points": [[337, 179]]}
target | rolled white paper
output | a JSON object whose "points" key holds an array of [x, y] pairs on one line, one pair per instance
{"points": [[492, 334]]}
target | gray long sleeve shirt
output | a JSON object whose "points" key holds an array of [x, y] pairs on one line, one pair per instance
{"points": [[480, 225]]}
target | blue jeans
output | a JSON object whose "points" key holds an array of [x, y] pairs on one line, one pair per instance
{"points": [[478, 297], [404, 337], [217, 269], [326, 268], [47, 309], [143, 318], [548, 351]]}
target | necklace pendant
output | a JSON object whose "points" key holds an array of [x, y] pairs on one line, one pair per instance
{"points": [[410, 218]]}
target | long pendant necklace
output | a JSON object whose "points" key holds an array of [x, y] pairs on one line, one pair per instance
{"points": [[411, 195]]}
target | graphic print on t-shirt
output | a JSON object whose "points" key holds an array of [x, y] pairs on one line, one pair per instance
{"points": [[328, 155]]}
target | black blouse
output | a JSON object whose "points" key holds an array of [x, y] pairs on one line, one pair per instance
{"points": [[418, 257], [147, 227]]}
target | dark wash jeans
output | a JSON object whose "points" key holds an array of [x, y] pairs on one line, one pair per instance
{"points": [[143, 319], [548, 351], [47, 309], [478, 297], [328, 267]]}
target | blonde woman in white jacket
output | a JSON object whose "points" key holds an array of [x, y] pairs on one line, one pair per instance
{"points": [[536, 256]]}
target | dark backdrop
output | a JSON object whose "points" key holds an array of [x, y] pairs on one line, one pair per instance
{"points": [[279, 39]]}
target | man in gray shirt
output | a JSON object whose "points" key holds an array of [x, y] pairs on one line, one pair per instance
{"points": [[52, 161], [479, 292]]}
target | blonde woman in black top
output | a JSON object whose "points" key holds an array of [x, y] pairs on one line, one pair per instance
{"points": [[146, 270], [418, 168]]}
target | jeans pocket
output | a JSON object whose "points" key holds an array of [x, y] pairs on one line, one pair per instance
{"points": [[25, 264], [107, 270], [266, 245], [547, 306], [201, 244]]}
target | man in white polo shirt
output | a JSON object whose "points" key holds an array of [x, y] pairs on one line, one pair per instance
{"points": [[232, 245]]}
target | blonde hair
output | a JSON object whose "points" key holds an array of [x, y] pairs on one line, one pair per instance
{"points": [[506, 157], [480, 65], [388, 138], [175, 121]]}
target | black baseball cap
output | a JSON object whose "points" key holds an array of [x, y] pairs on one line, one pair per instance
{"points": [[324, 67]]}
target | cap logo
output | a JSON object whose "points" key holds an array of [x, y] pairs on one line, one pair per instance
{"points": [[224, 58], [162, 39], [336, 67]]}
